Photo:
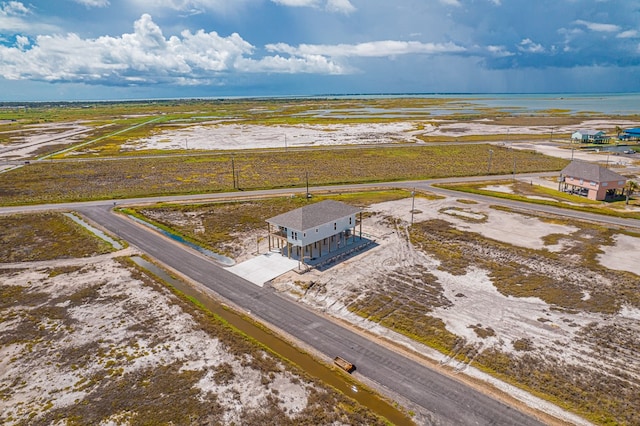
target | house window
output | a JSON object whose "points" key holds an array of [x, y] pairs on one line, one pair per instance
{"points": [[620, 182], [592, 183], [335, 226], [581, 181], [349, 221], [304, 234], [316, 229], [605, 183]]}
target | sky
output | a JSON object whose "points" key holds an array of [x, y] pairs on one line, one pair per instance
{"points": [[158, 49]]}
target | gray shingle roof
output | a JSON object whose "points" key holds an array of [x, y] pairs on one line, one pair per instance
{"points": [[591, 172], [313, 215]]}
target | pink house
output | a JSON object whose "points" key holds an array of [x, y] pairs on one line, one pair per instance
{"points": [[592, 181]]}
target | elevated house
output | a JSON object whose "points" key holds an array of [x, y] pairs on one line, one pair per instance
{"points": [[315, 230], [589, 136], [591, 180], [630, 134]]}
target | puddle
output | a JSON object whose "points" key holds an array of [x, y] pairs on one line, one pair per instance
{"points": [[116, 245], [327, 375]]}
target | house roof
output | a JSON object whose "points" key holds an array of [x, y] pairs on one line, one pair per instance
{"points": [[635, 131], [589, 132], [591, 172], [313, 215]]}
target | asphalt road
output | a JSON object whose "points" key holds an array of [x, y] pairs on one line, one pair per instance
{"points": [[451, 402]]}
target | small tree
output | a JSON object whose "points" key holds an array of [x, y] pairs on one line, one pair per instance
{"points": [[631, 187], [618, 131]]}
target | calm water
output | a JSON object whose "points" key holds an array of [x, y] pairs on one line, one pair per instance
{"points": [[600, 103]]}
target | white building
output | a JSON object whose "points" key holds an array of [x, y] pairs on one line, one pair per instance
{"points": [[314, 230], [595, 136]]}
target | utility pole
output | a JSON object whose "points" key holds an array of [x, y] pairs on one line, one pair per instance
{"points": [[307, 176], [233, 172], [413, 203]]}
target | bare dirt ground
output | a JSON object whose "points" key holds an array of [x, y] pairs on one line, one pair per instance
{"points": [[237, 136], [93, 341], [472, 300], [232, 136]]}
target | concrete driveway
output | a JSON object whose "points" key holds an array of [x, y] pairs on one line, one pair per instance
{"points": [[263, 268]]}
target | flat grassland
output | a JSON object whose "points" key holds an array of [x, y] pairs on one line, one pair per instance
{"points": [[544, 305]]}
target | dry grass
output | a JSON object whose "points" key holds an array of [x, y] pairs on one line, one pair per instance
{"points": [[46, 236], [143, 177]]}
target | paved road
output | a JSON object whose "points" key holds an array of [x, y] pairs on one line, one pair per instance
{"points": [[451, 402]]}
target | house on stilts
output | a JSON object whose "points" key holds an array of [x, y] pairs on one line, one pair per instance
{"points": [[316, 230]]}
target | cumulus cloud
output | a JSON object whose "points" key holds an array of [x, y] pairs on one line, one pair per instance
{"points": [[15, 18], [499, 51], [370, 49], [527, 45], [13, 8], [145, 56]]}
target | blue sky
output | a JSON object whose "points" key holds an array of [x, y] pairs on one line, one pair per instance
{"points": [[138, 49]]}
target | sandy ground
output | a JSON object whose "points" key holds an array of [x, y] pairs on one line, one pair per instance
{"points": [[233, 136], [511, 318], [120, 328]]}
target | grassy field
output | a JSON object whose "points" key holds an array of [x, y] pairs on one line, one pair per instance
{"points": [[106, 118], [47, 182], [536, 194], [46, 236]]}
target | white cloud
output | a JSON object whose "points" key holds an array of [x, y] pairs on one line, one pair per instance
{"points": [[370, 49], [339, 6], [527, 45], [499, 51], [93, 3], [193, 7], [146, 56], [594, 26], [316, 64], [455, 3], [628, 34], [15, 17], [22, 42], [298, 3], [13, 8]]}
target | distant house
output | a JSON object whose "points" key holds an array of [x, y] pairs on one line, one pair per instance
{"points": [[589, 136], [314, 230], [591, 180], [628, 134]]}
